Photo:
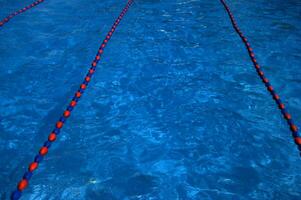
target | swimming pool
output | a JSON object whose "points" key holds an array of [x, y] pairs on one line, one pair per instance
{"points": [[174, 111]]}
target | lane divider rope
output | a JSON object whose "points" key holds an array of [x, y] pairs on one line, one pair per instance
{"points": [[22, 10], [60, 123], [269, 87]]}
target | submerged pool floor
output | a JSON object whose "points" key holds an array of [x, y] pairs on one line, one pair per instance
{"points": [[175, 109]]}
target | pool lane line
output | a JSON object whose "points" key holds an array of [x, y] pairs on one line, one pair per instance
{"points": [[269, 87], [60, 123], [22, 10]]}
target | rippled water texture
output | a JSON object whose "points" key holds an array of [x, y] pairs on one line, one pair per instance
{"points": [[174, 111]]}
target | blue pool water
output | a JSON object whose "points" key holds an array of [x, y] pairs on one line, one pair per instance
{"points": [[174, 111]]}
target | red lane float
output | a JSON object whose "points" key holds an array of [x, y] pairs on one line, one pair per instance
{"points": [[53, 135], [281, 106], [9, 17]]}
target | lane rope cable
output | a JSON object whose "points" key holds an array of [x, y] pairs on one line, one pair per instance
{"points": [[269, 87], [60, 123], [22, 10]]}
